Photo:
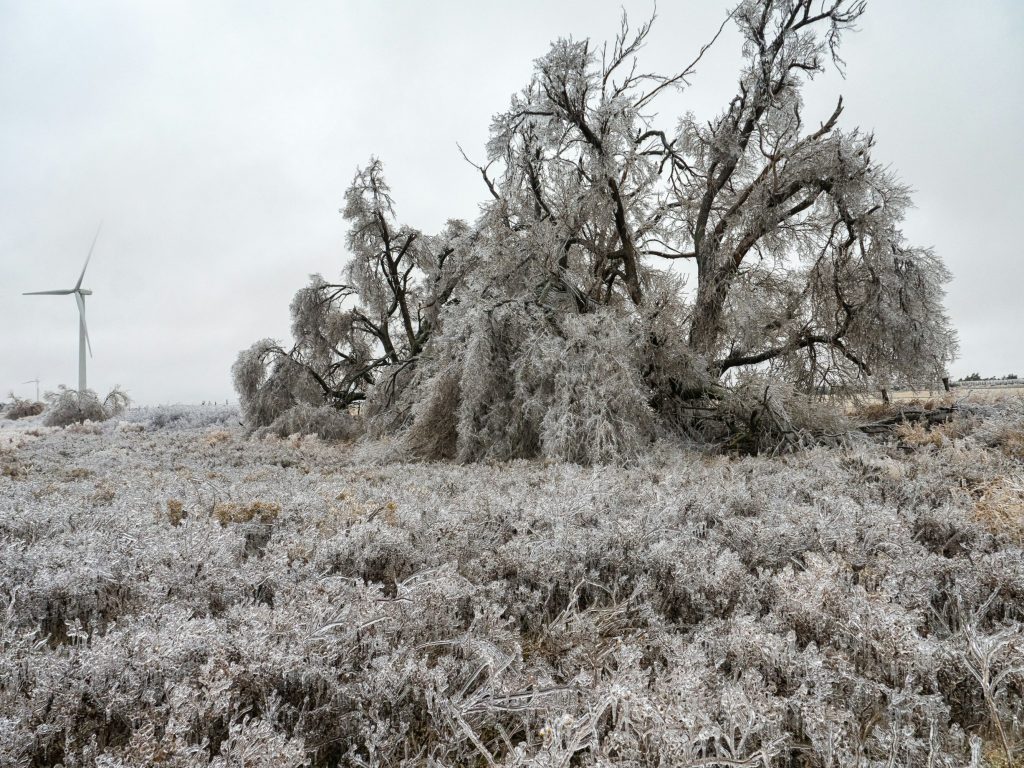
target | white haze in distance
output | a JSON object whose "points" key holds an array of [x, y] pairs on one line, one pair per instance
{"points": [[215, 141]]}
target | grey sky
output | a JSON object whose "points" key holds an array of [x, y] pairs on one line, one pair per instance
{"points": [[215, 141]]}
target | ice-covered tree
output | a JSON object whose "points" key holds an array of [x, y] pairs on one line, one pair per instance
{"points": [[565, 328], [364, 330]]}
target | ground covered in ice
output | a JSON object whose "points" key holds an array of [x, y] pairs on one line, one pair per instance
{"points": [[174, 593]]}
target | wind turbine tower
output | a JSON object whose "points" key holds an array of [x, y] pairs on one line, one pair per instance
{"points": [[83, 332], [36, 381]]}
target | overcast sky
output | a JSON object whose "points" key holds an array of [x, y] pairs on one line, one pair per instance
{"points": [[215, 141]]}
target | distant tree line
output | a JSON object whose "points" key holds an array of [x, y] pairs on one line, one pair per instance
{"points": [[978, 377]]}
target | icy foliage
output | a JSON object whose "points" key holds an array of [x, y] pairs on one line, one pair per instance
{"points": [[68, 406], [324, 421], [508, 382], [360, 334], [195, 597], [269, 382]]}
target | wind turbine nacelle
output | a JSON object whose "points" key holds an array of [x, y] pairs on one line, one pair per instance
{"points": [[85, 291]]}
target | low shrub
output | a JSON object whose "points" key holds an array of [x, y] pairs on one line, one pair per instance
{"points": [[851, 606], [21, 408], [323, 421], [185, 416], [68, 406]]}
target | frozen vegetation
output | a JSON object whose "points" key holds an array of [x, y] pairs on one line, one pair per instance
{"points": [[174, 592], [602, 570]]}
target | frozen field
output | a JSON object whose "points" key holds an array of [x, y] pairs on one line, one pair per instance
{"points": [[174, 594]]}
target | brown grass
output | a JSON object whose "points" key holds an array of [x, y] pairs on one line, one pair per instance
{"points": [[264, 512], [1010, 440], [917, 435], [999, 506], [103, 494], [175, 511], [217, 437], [13, 470]]}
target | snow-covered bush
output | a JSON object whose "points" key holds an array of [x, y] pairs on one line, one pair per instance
{"points": [[184, 416], [20, 408], [68, 406]]}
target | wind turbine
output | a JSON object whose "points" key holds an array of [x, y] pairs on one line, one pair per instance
{"points": [[30, 381], [83, 332]]}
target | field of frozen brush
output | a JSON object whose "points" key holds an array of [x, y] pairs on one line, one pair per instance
{"points": [[174, 593]]}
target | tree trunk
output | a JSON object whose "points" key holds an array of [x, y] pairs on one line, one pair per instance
{"points": [[708, 312]]}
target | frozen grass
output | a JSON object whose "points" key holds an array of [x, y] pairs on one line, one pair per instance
{"points": [[182, 416], [182, 595]]}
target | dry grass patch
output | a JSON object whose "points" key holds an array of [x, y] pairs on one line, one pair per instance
{"points": [[917, 435], [103, 494], [176, 511], [999, 506], [14, 470], [264, 512], [1010, 440], [217, 436]]}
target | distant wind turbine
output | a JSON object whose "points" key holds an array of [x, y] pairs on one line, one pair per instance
{"points": [[83, 332], [36, 380]]}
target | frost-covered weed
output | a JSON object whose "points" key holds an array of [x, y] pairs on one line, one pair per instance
{"points": [[281, 602]]}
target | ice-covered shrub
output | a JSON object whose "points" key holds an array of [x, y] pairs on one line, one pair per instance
{"points": [[184, 416], [68, 406], [760, 415], [20, 408], [324, 421]]}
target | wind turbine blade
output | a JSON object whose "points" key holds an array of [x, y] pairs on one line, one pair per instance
{"points": [[85, 266], [81, 309], [48, 293]]}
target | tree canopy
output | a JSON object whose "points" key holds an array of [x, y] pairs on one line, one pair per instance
{"points": [[557, 323]]}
